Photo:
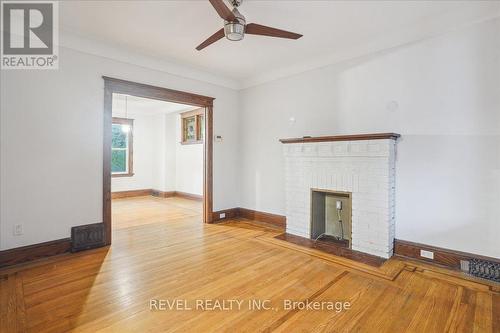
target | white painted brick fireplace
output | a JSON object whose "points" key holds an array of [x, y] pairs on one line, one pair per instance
{"points": [[364, 167]]}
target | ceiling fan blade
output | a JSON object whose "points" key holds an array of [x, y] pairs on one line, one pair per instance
{"points": [[212, 39], [222, 10], [262, 30]]}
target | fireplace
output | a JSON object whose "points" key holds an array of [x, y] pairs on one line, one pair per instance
{"points": [[331, 216], [357, 170]]}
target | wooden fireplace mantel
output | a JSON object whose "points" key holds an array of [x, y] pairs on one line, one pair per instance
{"points": [[352, 137]]}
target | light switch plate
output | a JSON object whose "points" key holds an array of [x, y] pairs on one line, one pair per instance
{"points": [[18, 230], [427, 254]]}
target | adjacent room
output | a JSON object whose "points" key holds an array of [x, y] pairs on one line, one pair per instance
{"points": [[250, 166], [156, 161]]}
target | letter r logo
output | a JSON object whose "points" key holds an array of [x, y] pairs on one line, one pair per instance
{"points": [[27, 28]]}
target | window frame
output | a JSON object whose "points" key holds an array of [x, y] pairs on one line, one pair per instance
{"points": [[130, 147], [197, 115]]}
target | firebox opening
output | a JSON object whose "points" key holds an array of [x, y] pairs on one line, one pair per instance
{"points": [[331, 216]]}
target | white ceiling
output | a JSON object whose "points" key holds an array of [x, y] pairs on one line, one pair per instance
{"points": [[170, 30], [144, 106]]}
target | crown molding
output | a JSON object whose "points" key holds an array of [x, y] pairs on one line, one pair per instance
{"points": [[73, 41], [397, 38], [394, 39]]}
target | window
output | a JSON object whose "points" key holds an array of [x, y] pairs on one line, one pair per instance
{"points": [[193, 126], [122, 147]]}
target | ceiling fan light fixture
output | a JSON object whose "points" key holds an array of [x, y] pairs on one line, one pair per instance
{"points": [[234, 31], [235, 25]]}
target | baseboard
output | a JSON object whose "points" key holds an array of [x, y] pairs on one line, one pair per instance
{"points": [[162, 194], [277, 220], [35, 251], [155, 193], [444, 257], [274, 219], [131, 193], [188, 195], [229, 214]]}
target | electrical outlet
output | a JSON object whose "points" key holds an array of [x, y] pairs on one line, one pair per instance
{"points": [[427, 254], [18, 230], [338, 205], [222, 215]]}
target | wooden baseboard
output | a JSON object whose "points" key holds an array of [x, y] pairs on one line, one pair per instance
{"points": [[188, 195], [274, 219], [444, 257], [277, 220], [35, 251], [155, 193], [162, 194], [132, 193], [229, 214]]}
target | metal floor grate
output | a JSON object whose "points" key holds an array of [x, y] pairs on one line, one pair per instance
{"points": [[483, 269]]}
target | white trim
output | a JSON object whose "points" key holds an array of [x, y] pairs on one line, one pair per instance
{"points": [[70, 40]]}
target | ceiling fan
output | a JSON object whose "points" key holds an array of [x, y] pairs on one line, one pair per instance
{"points": [[235, 26]]}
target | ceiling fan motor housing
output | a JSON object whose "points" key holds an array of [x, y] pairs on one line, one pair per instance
{"points": [[236, 3], [235, 30]]}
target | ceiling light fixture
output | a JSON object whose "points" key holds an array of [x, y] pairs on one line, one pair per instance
{"points": [[126, 127]]}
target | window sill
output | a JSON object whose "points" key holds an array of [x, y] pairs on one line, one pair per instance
{"points": [[113, 175], [191, 142]]}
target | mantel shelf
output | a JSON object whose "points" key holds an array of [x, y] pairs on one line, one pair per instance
{"points": [[352, 137]]}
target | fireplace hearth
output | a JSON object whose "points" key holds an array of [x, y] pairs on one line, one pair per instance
{"points": [[357, 170]]}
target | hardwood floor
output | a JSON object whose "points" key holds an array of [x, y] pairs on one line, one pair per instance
{"points": [[168, 254], [143, 210]]}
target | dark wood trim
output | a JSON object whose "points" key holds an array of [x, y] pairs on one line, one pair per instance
{"points": [[274, 219], [106, 159], [196, 114], [208, 166], [113, 85], [119, 175], [190, 196], [355, 137], [35, 251], [444, 257], [277, 220], [130, 134], [131, 193], [163, 94], [230, 214], [155, 193], [332, 248], [162, 194], [186, 143]]}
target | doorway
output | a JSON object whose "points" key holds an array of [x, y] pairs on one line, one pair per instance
{"points": [[199, 118]]}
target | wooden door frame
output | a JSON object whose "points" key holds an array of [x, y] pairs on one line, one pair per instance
{"points": [[112, 85]]}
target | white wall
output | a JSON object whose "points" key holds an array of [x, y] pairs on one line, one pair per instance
{"points": [[161, 162], [170, 142], [51, 143], [448, 165], [147, 162], [189, 164]]}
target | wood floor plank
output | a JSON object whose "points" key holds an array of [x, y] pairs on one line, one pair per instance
{"points": [[162, 250]]}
